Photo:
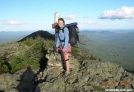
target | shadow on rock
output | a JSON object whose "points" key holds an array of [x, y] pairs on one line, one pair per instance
{"points": [[130, 71], [27, 83], [43, 64]]}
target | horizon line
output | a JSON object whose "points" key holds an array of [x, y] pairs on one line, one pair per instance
{"points": [[80, 29]]}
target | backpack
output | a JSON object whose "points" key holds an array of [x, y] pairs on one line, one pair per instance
{"points": [[73, 33]]}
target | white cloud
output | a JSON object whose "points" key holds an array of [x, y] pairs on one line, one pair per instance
{"points": [[121, 13], [70, 17], [12, 22], [27, 26], [133, 24], [87, 22]]}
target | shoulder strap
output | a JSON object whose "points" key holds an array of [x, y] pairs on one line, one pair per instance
{"points": [[63, 29], [63, 32]]}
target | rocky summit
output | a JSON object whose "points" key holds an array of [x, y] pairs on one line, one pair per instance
{"points": [[85, 76], [88, 72]]}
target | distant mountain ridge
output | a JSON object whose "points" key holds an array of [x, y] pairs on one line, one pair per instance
{"points": [[41, 33], [111, 46], [94, 31], [109, 30]]}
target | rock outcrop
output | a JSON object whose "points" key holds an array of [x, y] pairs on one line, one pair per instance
{"points": [[86, 76]]}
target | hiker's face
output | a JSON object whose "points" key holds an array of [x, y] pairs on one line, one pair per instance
{"points": [[60, 23]]}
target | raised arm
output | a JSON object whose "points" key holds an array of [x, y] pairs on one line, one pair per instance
{"points": [[57, 40]]}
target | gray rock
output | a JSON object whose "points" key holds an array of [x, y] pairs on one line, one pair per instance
{"points": [[86, 76], [88, 88], [72, 80]]}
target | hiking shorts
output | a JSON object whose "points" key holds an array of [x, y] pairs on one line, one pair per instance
{"points": [[67, 51]]}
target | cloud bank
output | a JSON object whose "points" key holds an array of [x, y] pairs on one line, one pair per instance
{"points": [[121, 13], [12, 22]]}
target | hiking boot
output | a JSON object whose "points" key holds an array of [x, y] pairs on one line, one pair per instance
{"points": [[41, 74], [67, 73]]}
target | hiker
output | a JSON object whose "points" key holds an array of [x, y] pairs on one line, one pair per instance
{"points": [[62, 43]]}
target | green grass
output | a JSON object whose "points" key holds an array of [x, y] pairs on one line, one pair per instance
{"points": [[76, 50], [17, 63], [30, 53], [2, 67]]}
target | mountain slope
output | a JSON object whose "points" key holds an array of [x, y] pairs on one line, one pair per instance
{"points": [[112, 47], [40, 69]]}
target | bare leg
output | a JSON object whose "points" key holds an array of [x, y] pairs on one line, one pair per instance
{"points": [[66, 57]]}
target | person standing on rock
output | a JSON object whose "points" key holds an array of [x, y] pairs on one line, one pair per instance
{"points": [[62, 43]]}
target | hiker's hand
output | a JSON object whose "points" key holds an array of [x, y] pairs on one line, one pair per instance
{"points": [[63, 51], [57, 49]]}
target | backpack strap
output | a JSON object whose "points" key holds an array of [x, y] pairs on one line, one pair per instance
{"points": [[63, 29], [63, 32]]}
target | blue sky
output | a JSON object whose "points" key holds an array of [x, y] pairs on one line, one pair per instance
{"points": [[17, 15]]}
